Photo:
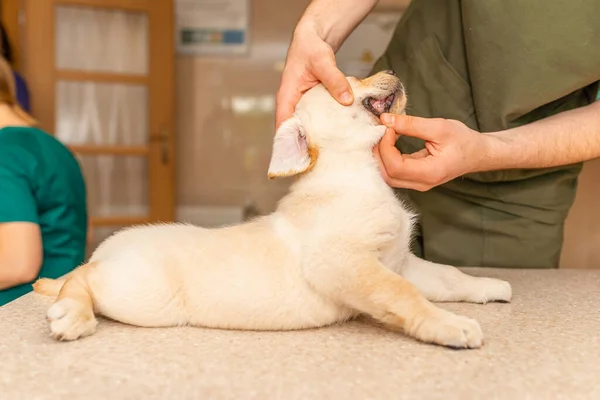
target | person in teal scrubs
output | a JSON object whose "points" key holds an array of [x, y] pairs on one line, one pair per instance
{"points": [[43, 207]]}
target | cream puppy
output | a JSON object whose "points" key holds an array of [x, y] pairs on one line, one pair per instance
{"points": [[336, 246]]}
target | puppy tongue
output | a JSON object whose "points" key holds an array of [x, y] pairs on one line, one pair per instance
{"points": [[378, 105]]}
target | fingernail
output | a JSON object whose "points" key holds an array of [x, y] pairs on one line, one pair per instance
{"points": [[387, 119], [346, 98]]}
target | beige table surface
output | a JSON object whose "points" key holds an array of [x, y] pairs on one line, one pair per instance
{"points": [[544, 345]]}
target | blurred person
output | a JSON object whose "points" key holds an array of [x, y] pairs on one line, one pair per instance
{"points": [[43, 209], [525, 74], [21, 89]]}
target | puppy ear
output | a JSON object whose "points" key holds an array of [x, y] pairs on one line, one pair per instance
{"points": [[291, 154]]}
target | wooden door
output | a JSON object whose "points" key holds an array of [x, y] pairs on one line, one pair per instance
{"points": [[100, 74]]}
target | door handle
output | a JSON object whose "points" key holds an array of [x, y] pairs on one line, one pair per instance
{"points": [[163, 139]]}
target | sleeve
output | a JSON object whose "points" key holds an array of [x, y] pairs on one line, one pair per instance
{"points": [[22, 92], [17, 202]]}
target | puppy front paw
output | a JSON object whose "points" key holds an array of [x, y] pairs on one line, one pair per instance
{"points": [[451, 330]]}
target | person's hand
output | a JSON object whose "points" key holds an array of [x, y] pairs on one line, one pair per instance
{"points": [[310, 60], [451, 150]]}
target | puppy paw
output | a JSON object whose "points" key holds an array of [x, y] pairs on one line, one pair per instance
{"points": [[451, 330], [70, 320], [492, 290]]}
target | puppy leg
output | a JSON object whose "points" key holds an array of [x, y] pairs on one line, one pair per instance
{"points": [[370, 288], [72, 315], [445, 283]]}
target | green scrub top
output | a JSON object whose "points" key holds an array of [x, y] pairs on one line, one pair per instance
{"points": [[41, 182]]}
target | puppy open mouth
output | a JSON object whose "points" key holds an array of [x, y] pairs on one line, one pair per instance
{"points": [[379, 105]]}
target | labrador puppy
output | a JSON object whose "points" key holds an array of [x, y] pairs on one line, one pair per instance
{"points": [[337, 246]]}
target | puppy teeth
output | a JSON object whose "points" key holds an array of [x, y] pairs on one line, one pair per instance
{"points": [[379, 105]]}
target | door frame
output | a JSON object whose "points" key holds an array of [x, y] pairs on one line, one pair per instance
{"points": [[32, 31]]}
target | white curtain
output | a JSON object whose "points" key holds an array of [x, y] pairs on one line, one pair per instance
{"points": [[94, 39], [90, 113]]}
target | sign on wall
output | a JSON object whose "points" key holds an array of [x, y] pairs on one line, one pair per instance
{"points": [[212, 27]]}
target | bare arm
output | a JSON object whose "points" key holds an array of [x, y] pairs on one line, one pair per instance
{"points": [[566, 138], [21, 253], [334, 20]]}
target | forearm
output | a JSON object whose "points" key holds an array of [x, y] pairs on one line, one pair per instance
{"points": [[20, 266], [7, 283], [10, 277], [566, 138], [334, 20]]}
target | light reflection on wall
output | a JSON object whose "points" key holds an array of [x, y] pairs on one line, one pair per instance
{"points": [[253, 104]]}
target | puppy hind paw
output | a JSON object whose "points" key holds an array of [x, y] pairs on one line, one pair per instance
{"points": [[70, 320]]}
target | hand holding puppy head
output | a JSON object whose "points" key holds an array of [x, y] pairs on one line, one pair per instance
{"points": [[310, 61], [451, 149]]}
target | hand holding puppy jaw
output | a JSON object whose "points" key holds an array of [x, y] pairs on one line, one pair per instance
{"points": [[451, 149], [310, 61]]}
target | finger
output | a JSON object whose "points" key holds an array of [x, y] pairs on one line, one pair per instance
{"points": [[391, 157], [429, 129], [425, 171], [287, 98], [389, 138], [395, 182], [402, 184], [382, 170], [418, 168], [326, 71], [418, 154]]}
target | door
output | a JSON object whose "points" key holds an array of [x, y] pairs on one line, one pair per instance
{"points": [[100, 75]]}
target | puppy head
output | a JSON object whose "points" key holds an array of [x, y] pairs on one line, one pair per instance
{"points": [[320, 124]]}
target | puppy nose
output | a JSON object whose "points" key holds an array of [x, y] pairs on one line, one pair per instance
{"points": [[390, 72]]}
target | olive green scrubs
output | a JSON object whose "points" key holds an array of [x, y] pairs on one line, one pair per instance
{"points": [[42, 183], [495, 65]]}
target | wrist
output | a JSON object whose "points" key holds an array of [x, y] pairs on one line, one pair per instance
{"points": [[507, 150], [334, 20], [313, 25], [500, 152]]}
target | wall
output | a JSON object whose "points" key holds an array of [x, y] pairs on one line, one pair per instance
{"points": [[225, 115], [582, 232]]}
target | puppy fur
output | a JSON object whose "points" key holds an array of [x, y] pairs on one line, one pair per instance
{"points": [[337, 246]]}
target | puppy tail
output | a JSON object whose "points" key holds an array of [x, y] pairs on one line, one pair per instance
{"points": [[48, 287]]}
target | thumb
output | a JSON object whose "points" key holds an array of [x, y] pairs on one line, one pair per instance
{"points": [[286, 100], [428, 129], [389, 138], [334, 80]]}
